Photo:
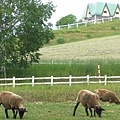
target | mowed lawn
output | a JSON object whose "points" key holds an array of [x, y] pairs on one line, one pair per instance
{"points": [[104, 47], [63, 111]]}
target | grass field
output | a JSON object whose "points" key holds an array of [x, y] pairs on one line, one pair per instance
{"points": [[57, 103], [97, 48], [63, 111]]}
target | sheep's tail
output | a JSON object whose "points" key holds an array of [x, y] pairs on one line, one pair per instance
{"points": [[78, 98]]}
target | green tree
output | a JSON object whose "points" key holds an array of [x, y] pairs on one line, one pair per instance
{"points": [[69, 19], [24, 30]]}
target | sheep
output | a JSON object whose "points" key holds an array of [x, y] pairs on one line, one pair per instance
{"points": [[10, 100], [89, 100], [107, 96]]}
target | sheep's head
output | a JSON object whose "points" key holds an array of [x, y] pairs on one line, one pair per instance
{"points": [[21, 112], [99, 110], [117, 101]]}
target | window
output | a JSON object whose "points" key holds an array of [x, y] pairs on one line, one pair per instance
{"points": [[105, 11], [117, 12], [89, 13]]}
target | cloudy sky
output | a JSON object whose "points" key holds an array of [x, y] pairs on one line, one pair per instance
{"points": [[75, 7]]}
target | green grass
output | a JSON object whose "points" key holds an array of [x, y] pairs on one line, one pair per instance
{"points": [[56, 93], [75, 68], [63, 111], [108, 28], [57, 103]]}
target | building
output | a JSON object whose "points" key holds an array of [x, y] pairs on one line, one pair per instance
{"points": [[97, 11]]}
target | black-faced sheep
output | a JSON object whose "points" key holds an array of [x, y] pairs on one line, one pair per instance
{"points": [[107, 96], [12, 101], [89, 100]]}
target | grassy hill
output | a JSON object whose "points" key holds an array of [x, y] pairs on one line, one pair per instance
{"points": [[107, 28], [97, 48], [92, 42]]}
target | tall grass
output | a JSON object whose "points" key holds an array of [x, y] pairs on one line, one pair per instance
{"points": [[75, 68]]}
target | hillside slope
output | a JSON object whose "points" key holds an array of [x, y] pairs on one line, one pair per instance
{"points": [[104, 47], [108, 28]]}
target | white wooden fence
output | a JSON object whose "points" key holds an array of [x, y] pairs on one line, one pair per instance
{"points": [[59, 80], [85, 23]]}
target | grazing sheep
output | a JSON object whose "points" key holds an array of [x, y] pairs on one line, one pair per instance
{"points": [[12, 101], [89, 100], [107, 96]]}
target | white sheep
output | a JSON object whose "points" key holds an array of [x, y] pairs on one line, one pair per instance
{"points": [[107, 96], [89, 100], [10, 100]]}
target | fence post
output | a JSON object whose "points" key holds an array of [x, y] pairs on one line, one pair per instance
{"points": [[51, 80], [88, 79], [33, 81], [77, 25], [111, 19], [13, 81], [69, 26], [105, 79], [99, 73], [86, 23], [70, 79], [95, 20], [102, 19]]}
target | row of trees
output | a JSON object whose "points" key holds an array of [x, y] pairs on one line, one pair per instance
{"points": [[24, 30]]}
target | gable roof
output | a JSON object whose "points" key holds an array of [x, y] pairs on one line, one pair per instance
{"points": [[97, 8], [112, 8]]}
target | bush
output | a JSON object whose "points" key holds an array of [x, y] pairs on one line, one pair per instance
{"points": [[60, 40], [113, 28], [88, 35]]}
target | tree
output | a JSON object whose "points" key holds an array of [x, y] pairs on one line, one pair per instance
{"points": [[69, 19], [24, 30]]}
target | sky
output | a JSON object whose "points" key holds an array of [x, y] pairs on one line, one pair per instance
{"points": [[75, 7]]}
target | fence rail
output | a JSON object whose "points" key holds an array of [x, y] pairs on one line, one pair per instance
{"points": [[76, 25], [62, 80]]}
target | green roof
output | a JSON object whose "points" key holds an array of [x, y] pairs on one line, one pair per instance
{"points": [[112, 8], [84, 13], [97, 8]]}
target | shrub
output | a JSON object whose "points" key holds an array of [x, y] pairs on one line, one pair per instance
{"points": [[60, 40], [88, 35], [113, 28]]}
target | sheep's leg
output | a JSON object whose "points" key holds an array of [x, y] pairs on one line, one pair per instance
{"points": [[16, 112], [6, 112], [14, 115], [90, 111], [94, 113], [86, 110], [75, 108]]}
